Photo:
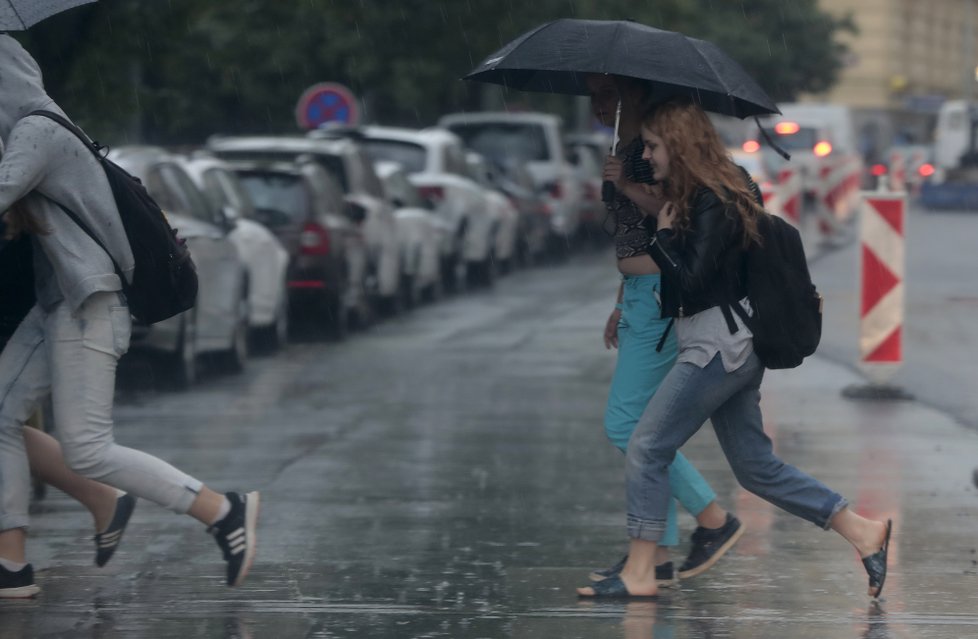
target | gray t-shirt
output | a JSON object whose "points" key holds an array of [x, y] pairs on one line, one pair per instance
{"points": [[703, 335]]}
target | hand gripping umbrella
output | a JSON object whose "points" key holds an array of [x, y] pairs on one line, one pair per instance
{"points": [[557, 56], [17, 15]]}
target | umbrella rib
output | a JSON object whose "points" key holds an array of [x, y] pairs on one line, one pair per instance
{"points": [[17, 13]]}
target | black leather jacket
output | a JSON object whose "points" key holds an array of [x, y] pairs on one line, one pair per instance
{"points": [[706, 266]]}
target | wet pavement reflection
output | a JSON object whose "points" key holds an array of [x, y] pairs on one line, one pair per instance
{"points": [[446, 475]]}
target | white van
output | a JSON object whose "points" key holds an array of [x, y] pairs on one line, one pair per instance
{"points": [[952, 133], [815, 134]]}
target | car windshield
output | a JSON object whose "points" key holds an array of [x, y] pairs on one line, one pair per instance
{"points": [[802, 139], [282, 192], [331, 163], [411, 156], [501, 140]]}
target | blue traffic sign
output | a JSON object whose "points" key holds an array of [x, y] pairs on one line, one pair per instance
{"points": [[326, 102]]}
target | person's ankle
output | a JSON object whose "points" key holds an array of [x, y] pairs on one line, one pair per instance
{"points": [[712, 517]]}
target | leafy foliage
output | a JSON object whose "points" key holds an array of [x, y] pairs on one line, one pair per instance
{"points": [[174, 72]]}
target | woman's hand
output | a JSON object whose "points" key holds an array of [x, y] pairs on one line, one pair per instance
{"points": [[667, 216], [614, 172], [611, 329]]}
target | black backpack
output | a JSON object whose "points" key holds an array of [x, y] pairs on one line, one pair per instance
{"points": [[787, 318], [164, 281]]}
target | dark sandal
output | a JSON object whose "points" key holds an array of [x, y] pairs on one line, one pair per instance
{"points": [[875, 564], [612, 588]]}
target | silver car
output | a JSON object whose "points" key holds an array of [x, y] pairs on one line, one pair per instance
{"points": [[218, 323]]}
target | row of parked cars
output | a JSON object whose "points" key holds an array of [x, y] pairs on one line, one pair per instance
{"points": [[337, 228]]}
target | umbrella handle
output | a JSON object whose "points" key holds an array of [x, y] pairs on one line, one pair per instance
{"points": [[607, 187]]}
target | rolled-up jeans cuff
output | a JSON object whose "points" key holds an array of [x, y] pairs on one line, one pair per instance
{"points": [[11, 521], [645, 529], [836, 508]]}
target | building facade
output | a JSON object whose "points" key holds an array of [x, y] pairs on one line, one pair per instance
{"points": [[908, 57]]}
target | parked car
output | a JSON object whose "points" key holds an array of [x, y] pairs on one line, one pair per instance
{"points": [[421, 232], [587, 158], [218, 323], [435, 162], [264, 256], [536, 139], [505, 217], [513, 179], [304, 207], [346, 161]]}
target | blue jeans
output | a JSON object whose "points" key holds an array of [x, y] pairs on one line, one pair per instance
{"points": [[688, 396], [73, 358], [638, 373]]}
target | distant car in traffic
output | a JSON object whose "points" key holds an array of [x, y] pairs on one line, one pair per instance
{"points": [[435, 162], [352, 169], [422, 234], [304, 207], [264, 256], [218, 323], [537, 140]]}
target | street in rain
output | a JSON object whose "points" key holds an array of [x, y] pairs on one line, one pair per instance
{"points": [[404, 281]]}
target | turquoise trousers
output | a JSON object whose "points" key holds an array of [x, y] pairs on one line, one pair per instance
{"points": [[638, 373]]}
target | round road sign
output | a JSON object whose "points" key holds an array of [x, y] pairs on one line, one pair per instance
{"points": [[326, 102]]}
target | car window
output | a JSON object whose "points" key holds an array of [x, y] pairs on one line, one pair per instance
{"points": [[454, 160], [498, 140], [275, 191], [369, 182], [214, 190], [236, 196], [328, 190], [411, 156], [804, 138], [176, 193]]}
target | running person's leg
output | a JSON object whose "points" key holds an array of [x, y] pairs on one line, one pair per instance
{"points": [[83, 355], [24, 379]]}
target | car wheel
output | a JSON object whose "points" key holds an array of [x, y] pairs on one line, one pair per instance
{"points": [[236, 356], [181, 365], [337, 318]]}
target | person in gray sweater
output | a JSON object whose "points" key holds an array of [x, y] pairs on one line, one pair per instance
{"points": [[69, 344]]}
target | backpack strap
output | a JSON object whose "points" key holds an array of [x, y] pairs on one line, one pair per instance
{"points": [[93, 146]]}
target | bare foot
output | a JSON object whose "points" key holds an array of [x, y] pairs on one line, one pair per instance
{"points": [[872, 542]]}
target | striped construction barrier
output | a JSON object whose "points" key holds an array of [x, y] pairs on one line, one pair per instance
{"points": [[881, 284], [838, 198]]}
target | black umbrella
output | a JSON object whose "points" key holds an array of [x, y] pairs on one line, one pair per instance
{"points": [[555, 57], [17, 15]]}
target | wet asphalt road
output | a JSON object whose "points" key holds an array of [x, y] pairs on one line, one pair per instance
{"points": [[446, 475]]}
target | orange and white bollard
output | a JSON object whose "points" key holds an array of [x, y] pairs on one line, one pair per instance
{"points": [[881, 276]]}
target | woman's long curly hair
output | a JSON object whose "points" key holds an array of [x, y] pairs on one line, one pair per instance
{"points": [[698, 158], [19, 220]]}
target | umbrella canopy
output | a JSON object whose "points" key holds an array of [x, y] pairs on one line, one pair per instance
{"points": [[555, 57], [17, 15]]}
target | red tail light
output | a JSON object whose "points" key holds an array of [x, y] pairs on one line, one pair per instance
{"points": [[751, 146], [433, 193], [822, 149], [926, 170], [314, 240], [878, 170]]}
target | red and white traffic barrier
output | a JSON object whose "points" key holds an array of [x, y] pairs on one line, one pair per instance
{"points": [[838, 198], [881, 284], [783, 196]]}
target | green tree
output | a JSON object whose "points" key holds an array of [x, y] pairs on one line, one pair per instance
{"points": [[174, 72]]}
